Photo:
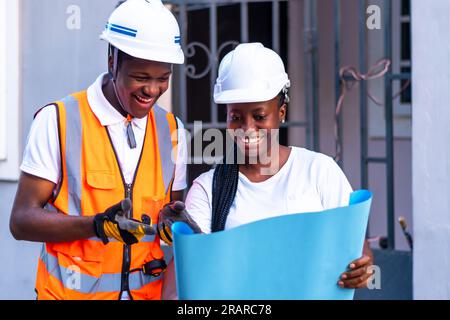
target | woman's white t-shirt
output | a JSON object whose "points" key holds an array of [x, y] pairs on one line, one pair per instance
{"points": [[308, 182]]}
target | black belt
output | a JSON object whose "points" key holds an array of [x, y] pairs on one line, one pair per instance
{"points": [[153, 268]]}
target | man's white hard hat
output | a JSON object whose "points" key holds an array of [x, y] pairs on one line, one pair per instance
{"points": [[250, 73], [145, 29]]}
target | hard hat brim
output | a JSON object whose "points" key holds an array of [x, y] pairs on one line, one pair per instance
{"points": [[145, 51], [249, 95], [244, 96]]}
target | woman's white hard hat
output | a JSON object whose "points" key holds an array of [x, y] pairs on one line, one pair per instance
{"points": [[250, 73], [145, 29]]}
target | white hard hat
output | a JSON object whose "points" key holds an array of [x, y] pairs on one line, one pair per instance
{"points": [[250, 73], [145, 29]]}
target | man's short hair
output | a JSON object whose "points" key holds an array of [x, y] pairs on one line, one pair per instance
{"points": [[122, 56]]}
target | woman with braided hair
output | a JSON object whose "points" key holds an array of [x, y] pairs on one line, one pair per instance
{"points": [[271, 179]]}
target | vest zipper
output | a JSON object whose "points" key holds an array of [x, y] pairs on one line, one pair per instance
{"points": [[128, 188], [127, 249], [124, 281]]}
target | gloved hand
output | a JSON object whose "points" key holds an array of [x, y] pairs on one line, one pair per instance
{"points": [[174, 211], [113, 223]]}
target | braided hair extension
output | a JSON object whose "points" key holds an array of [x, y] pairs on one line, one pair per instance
{"points": [[225, 183]]}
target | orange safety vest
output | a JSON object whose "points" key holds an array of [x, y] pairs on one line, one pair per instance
{"points": [[91, 181]]}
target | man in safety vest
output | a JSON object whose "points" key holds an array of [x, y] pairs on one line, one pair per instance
{"points": [[98, 168]]}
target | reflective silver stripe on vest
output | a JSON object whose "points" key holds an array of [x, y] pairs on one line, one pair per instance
{"points": [[73, 279], [73, 154], [165, 145], [146, 238]]}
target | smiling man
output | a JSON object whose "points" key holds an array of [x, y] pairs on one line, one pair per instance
{"points": [[98, 160]]}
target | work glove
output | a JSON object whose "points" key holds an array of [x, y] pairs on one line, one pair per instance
{"points": [[113, 223], [174, 211]]}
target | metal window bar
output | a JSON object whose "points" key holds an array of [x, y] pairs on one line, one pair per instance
{"points": [[213, 57], [389, 128], [244, 21], [311, 76], [182, 16], [337, 61], [182, 7], [276, 26], [362, 95], [365, 160]]}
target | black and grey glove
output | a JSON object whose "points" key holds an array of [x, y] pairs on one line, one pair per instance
{"points": [[174, 211], [113, 223]]}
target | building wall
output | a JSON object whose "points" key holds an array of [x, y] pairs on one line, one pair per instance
{"points": [[61, 53], [56, 61], [431, 148], [19, 259]]}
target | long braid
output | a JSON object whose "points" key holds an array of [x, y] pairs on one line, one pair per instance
{"points": [[225, 183]]}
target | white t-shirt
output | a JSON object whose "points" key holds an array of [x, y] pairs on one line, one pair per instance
{"points": [[308, 182], [42, 156]]}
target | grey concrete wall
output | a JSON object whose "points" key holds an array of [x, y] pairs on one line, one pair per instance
{"points": [[56, 61], [431, 148], [61, 53], [18, 259]]}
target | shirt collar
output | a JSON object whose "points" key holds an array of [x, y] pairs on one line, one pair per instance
{"points": [[103, 110]]}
